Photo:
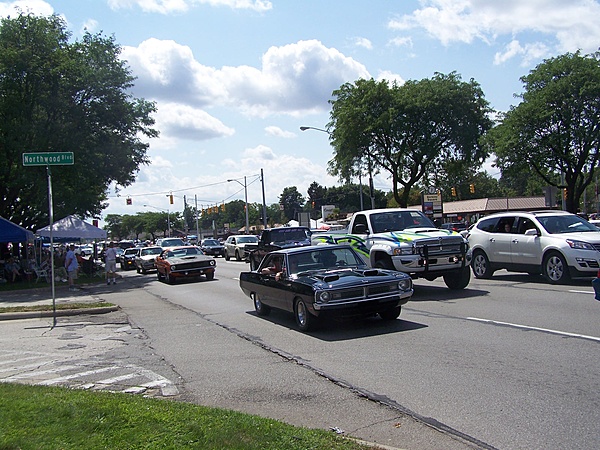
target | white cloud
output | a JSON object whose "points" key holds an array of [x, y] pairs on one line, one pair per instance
{"points": [[529, 53], [401, 42], [572, 24], [185, 122], [37, 7], [90, 26], [390, 77], [180, 6], [363, 42], [278, 132], [295, 79]]}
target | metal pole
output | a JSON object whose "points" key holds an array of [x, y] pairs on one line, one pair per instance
{"points": [[197, 229], [51, 213], [262, 180], [246, 197]]}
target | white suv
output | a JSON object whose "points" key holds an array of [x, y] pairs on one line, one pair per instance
{"points": [[557, 244]]}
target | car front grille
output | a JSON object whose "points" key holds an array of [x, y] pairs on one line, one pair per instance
{"points": [[182, 267], [364, 293]]}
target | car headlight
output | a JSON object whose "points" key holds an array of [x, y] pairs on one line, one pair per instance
{"points": [[212, 262], [399, 251], [323, 296], [173, 267], [580, 245], [405, 284]]}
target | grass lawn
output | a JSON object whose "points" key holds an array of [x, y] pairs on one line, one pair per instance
{"points": [[39, 417]]}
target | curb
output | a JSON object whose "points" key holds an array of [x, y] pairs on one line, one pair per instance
{"points": [[57, 313]]}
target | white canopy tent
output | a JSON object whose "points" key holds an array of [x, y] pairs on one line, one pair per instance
{"points": [[72, 228]]}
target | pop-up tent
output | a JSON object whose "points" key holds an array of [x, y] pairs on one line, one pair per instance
{"points": [[11, 232], [72, 228]]}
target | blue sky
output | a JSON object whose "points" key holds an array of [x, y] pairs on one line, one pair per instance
{"points": [[235, 79]]}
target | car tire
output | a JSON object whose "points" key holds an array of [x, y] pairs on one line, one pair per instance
{"points": [[226, 256], [458, 280], [304, 319], [144, 271], [555, 268], [237, 256], [390, 314], [210, 276], [138, 270], [159, 276], [260, 308], [171, 279], [481, 265]]}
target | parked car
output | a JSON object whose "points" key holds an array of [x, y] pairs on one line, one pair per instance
{"points": [[454, 226], [274, 239], [234, 245], [184, 262], [145, 260], [212, 247], [128, 258], [170, 242], [557, 244], [328, 280]]}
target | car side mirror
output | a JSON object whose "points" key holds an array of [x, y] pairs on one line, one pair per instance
{"points": [[532, 232]]}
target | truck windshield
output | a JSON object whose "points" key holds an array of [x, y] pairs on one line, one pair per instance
{"points": [[399, 220]]}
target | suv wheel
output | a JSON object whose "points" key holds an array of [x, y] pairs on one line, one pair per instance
{"points": [[555, 268], [481, 265]]}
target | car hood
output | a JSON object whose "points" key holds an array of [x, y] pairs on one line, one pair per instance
{"points": [[415, 234], [588, 236], [188, 258], [148, 257], [340, 278]]}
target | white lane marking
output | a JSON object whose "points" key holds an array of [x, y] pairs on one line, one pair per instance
{"points": [[77, 375], [546, 330], [41, 372], [575, 291], [119, 378]]}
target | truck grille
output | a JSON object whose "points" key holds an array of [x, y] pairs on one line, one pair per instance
{"points": [[438, 247]]}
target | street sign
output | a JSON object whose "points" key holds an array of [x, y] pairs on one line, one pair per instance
{"points": [[48, 159]]}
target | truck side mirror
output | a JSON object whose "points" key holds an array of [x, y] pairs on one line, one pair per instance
{"points": [[361, 228]]}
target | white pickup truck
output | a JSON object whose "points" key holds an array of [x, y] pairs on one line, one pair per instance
{"points": [[407, 241]]}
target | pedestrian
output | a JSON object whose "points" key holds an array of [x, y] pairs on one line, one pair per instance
{"points": [[72, 267], [596, 286], [110, 263]]}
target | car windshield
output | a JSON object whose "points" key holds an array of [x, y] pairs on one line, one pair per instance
{"points": [[171, 242], [568, 223], [151, 251], [188, 251], [210, 242], [285, 235], [399, 220], [247, 239], [323, 259], [131, 251]]}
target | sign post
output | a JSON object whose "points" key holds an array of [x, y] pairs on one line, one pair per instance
{"points": [[50, 159]]}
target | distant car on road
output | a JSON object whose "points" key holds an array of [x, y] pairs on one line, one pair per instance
{"points": [[170, 242], [184, 262], [454, 226], [145, 260], [212, 247], [128, 258], [235, 245], [326, 280]]}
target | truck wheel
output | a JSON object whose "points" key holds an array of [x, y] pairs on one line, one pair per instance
{"points": [[385, 263], [459, 279], [304, 319], [390, 314], [260, 308]]}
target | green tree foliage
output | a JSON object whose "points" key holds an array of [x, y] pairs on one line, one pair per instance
{"points": [[554, 132], [409, 130], [62, 96], [292, 202]]}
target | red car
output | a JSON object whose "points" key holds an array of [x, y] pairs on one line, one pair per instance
{"points": [[184, 262]]}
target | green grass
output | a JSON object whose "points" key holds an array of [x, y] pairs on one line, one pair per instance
{"points": [[39, 417]]}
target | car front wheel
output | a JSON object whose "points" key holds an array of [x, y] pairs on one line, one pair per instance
{"points": [[481, 265], [555, 268], [238, 256], [260, 308], [304, 319], [459, 279], [210, 276], [390, 314], [226, 256]]}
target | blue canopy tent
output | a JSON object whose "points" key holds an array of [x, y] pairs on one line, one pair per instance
{"points": [[11, 232]]}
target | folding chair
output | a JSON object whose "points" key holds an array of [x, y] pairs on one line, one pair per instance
{"points": [[41, 273]]}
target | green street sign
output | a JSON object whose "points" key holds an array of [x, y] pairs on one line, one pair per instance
{"points": [[48, 159]]}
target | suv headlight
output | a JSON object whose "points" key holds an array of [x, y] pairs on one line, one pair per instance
{"points": [[580, 245]]}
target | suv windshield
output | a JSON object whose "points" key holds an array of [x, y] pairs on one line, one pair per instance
{"points": [[399, 220], [565, 224]]}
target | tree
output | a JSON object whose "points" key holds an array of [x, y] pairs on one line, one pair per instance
{"points": [[292, 202], [57, 95], [406, 130], [555, 131]]}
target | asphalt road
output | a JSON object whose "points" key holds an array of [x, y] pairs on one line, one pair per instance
{"points": [[509, 363]]}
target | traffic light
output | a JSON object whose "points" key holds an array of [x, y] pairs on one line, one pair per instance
{"points": [[313, 205], [223, 207], [129, 201], [171, 199], [453, 191], [472, 188]]}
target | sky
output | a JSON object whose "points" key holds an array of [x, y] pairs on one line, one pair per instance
{"points": [[234, 80]]}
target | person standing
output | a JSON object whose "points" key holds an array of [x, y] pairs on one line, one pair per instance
{"points": [[596, 286], [72, 266], [110, 263]]}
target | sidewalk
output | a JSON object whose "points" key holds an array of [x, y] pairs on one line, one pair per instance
{"points": [[223, 368]]}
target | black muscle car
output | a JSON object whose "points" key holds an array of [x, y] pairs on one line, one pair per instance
{"points": [[327, 280]]}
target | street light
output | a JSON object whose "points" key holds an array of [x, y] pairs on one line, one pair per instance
{"points": [[168, 216], [245, 199], [359, 173]]}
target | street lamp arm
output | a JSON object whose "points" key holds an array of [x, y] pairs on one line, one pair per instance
{"points": [[315, 128]]}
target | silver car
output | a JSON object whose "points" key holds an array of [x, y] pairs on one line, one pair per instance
{"points": [[145, 260], [557, 244], [234, 245]]}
